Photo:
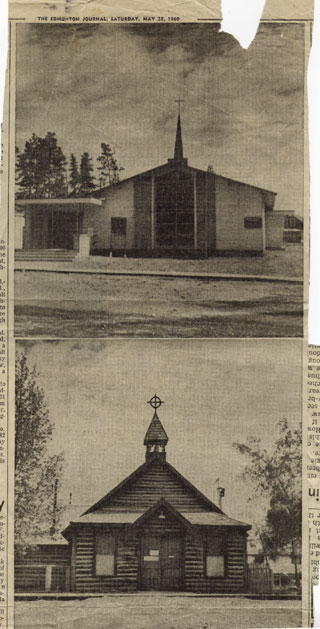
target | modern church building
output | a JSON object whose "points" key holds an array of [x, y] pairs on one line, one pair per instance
{"points": [[173, 209]]}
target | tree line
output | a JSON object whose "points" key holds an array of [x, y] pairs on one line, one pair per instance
{"points": [[42, 170]]}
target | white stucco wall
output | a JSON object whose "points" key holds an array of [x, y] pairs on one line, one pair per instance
{"points": [[119, 202], [95, 218], [274, 229], [234, 202], [18, 231]]}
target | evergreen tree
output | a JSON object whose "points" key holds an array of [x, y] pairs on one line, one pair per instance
{"points": [[41, 168], [109, 168], [86, 177], [37, 473], [74, 179]]}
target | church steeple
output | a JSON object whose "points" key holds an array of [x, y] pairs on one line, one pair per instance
{"points": [[178, 160], [178, 148], [156, 437]]}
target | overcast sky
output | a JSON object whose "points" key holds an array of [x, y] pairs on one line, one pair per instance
{"points": [[243, 110], [215, 393]]}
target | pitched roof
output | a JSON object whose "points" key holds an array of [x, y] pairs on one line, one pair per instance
{"points": [[163, 168], [155, 433], [213, 519], [123, 494], [206, 518]]}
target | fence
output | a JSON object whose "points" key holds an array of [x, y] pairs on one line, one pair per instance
{"points": [[260, 579], [41, 578]]}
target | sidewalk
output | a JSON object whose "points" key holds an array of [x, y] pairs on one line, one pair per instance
{"points": [[60, 267], [70, 596]]}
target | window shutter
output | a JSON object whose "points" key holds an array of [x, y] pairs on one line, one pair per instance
{"points": [[215, 557], [105, 554]]}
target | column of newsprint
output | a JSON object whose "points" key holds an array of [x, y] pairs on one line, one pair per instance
{"points": [[312, 541], [3, 432]]}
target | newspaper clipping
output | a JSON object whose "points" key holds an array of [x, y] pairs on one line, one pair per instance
{"points": [[159, 402]]}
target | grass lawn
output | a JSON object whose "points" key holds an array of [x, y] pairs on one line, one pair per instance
{"points": [[66, 305], [63, 305], [287, 262]]}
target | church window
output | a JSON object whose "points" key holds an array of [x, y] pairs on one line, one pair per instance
{"points": [[105, 554], [215, 557], [119, 225], [253, 222]]}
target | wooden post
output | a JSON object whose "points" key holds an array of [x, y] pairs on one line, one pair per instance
{"points": [[73, 563], [48, 578], [195, 212], [68, 584], [152, 213], [52, 228], [76, 243], [206, 214]]}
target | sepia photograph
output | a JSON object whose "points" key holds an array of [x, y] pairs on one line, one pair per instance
{"points": [[158, 483], [160, 180]]}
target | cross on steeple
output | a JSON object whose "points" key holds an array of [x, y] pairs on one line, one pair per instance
{"points": [[178, 160], [156, 437], [155, 401], [179, 101]]}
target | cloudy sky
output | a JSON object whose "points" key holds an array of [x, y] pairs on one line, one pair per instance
{"points": [[243, 110], [214, 394]]}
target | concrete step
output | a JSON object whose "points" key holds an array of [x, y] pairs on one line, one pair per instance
{"points": [[46, 255]]}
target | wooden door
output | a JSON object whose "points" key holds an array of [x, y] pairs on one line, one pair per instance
{"points": [[171, 563], [161, 562], [150, 563]]}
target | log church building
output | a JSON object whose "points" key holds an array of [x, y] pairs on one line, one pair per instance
{"points": [[171, 210], [154, 531]]}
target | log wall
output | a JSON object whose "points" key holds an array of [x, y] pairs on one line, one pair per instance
{"points": [[235, 574], [126, 576], [83, 568]]}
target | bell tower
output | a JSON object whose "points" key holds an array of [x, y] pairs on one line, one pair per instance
{"points": [[156, 437]]}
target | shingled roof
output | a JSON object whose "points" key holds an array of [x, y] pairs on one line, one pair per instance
{"points": [[156, 433]]}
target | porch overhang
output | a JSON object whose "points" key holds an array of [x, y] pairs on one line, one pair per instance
{"points": [[64, 204], [189, 520]]}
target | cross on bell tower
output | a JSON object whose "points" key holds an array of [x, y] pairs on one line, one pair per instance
{"points": [[156, 437]]}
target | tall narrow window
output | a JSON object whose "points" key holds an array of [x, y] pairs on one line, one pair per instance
{"points": [[105, 554], [215, 557]]}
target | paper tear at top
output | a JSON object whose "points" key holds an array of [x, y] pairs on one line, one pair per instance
{"points": [[241, 19]]}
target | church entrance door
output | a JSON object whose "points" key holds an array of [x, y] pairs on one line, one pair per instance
{"points": [[174, 203], [161, 562], [64, 229]]}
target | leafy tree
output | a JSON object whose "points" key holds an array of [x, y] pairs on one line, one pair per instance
{"points": [[109, 168], [37, 472], [74, 179], [277, 476], [41, 168], [86, 177]]}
